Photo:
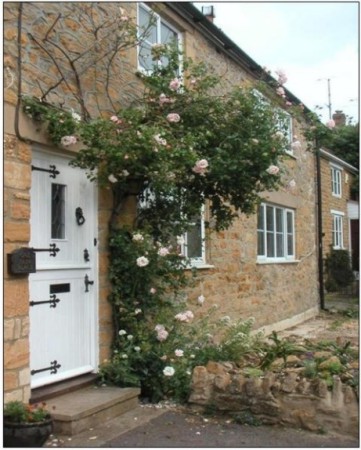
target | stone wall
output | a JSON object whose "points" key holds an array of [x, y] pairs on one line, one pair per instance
{"points": [[284, 398], [17, 180]]}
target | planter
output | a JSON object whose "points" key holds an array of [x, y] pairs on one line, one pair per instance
{"points": [[27, 434]]}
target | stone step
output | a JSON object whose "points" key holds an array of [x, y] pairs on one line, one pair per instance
{"points": [[86, 408], [44, 393]]}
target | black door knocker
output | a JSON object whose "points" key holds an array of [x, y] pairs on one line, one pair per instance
{"points": [[80, 219]]}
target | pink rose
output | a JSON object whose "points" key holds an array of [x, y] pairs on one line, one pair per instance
{"points": [[331, 124], [162, 335], [112, 178], [164, 99], [280, 91], [200, 166], [68, 140], [159, 140], [163, 251], [282, 78], [142, 261], [173, 117], [116, 120], [273, 170], [174, 85], [186, 316]]}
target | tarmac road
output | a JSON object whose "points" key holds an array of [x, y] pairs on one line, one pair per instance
{"points": [[181, 430]]}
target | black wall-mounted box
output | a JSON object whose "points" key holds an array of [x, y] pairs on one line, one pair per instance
{"points": [[22, 261]]}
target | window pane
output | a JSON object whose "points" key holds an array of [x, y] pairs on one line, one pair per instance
{"points": [[167, 36], [279, 220], [260, 218], [270, 245], [279, 245], [260, 244], [57, 211], [289, 222], [144, 19], [145, 57], [289, 245], [269, 218], [194, 241], [290, 232]]}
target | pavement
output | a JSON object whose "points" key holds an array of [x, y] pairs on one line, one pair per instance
{"points": [[168, 425], [164, 427]]}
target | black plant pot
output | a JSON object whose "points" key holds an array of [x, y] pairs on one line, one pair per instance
{"points": [[27, 434]]}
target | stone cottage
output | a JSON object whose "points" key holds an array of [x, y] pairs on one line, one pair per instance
{"points": [[57, 321], [340, 209]]}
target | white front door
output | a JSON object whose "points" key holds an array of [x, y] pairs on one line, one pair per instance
{"points": [[63, 291]]}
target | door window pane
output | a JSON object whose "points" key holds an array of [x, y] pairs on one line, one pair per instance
{"points": [[57, 211]]}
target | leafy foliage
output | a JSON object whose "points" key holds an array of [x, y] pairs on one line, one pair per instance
{"points": [[161, 142], [18, 412], [338, 268]]}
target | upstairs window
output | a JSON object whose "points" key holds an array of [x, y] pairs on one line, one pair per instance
{"points": [[336, 178], [158, 31], [276, 234], [284, 121]]}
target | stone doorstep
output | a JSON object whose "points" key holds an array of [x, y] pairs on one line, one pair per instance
{"points": [[105, 432], [89, 407]]}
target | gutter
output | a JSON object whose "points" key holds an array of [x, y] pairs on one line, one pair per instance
{"points": [[320, 228]]}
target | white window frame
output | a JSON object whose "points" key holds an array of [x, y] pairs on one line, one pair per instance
{"points": [[201, 260], [336, 181], [263, 232], [159, 21], [337, 229]]}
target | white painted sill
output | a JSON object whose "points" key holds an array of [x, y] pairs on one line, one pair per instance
{"points": [[294, 261], [200, 266]]}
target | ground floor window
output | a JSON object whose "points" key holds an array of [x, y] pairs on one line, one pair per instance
{"points": [[337, 229], [275, 233], [193, 241]]}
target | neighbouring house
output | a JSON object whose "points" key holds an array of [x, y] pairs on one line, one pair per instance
{"points": [[57, 321], [340, 208]]}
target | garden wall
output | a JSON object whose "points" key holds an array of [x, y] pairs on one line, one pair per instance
{"points": [[284, 398]]}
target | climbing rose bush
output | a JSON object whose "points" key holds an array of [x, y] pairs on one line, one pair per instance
{"points": [[181, 146]]}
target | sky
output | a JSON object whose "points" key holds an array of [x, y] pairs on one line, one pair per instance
{"points": [[312, 42]]}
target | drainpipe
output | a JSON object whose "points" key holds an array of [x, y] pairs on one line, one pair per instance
{"points": [[319, 231]]}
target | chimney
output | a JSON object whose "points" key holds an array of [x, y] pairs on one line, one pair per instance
{"points": [[339, 117], [208, 11]]}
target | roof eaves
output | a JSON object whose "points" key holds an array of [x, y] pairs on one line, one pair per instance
{"points": [[331, 157]]}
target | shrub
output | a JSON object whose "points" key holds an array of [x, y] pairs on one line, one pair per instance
{"points": [[338, 269]]}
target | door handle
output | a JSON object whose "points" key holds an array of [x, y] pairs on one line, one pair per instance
{"points": [[80, 219], [87, 283]]}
